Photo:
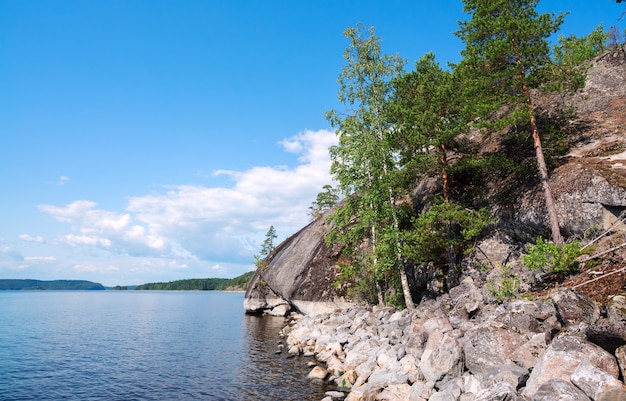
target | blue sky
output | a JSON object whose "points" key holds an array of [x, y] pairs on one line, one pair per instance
{"points": [[147, 141]]}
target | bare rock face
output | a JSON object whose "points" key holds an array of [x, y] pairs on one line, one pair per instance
{"points": [[590, 187], [299, 276]]}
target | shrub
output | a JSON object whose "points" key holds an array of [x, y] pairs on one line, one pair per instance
{"points": [[552, 258]]}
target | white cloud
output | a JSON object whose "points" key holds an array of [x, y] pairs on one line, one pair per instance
{"points": [[78, 240], [29, 238], [191, 226], [218, 221], [40, 258]]}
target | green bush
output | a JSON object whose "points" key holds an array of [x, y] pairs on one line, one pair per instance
{"points": [[507, 288], [552, 258]]}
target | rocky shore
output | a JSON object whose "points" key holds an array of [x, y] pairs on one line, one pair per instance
{"points": [[462, 346]]}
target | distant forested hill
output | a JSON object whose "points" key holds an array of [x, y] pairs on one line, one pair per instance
{"points": [[207, 284], [17, 284]]}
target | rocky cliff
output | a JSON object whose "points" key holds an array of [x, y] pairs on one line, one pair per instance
{"points": [[589, 184], [299, 276]]}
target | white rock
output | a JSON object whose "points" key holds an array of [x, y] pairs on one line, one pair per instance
{"points": [[596, 383], [318, 373]]}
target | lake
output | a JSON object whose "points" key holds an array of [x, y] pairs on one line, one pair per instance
{"points": [[143, 345]]}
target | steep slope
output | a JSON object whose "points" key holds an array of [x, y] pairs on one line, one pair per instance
{"points": [[589, 185]]}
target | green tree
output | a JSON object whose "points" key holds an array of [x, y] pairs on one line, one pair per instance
{"points": [[569, 70], [506, 45], [363, 162], [266, 248], [268, 243], [430, 117], [427, 110], [444, 231], [324, 201]]}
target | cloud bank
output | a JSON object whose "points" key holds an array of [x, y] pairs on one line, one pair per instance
{"points": [[207, 229]]}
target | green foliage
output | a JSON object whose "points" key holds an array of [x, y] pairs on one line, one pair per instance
{"points": [[506, 45], [324, 201], [506, 55], [268, 243], [357, 281], [267, 247], [201, 284], [442, 227], [507, 288], [364, 160], [551, 258], [428, 113], [569, 71], [573, 50]]}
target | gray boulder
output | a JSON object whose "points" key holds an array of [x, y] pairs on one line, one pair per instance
{"points": [[501, 391], [487, 347], [575, 307], [559, 390], [442, 357], [299, 274], [597, 384], [563, 356]]}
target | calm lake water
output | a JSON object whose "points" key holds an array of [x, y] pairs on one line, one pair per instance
{"points": [[137, 345]]}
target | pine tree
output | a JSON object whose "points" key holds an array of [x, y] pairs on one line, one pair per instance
{"points": [[266, 248], [506, 48]]}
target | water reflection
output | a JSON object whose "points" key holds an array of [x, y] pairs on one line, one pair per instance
{"points": [[269, 375]]}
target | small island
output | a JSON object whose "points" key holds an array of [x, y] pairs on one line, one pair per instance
{"points": [[58, 285], [202, 284]]}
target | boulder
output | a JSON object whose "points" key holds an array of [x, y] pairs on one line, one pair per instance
{"points": [[501, 391], [487, 347], [597, 384], [299, 274], [318, 373], [559, 390], [574, 307], [394, 392], [510, 373], [527, 355], [442, 357], [563, 356], [620, 355], [421, 391]]}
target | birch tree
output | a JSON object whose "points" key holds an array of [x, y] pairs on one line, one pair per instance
{"points": [[363, 161]]}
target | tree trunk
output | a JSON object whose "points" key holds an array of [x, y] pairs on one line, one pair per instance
{"points": [[444, 173], [543, 178], [541, 163]]}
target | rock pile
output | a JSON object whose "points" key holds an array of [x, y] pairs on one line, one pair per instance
{"points": [[459, 347]]}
